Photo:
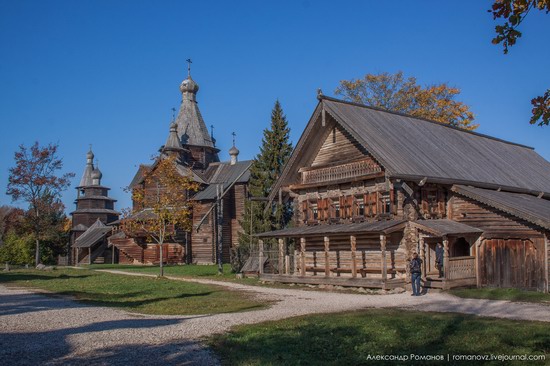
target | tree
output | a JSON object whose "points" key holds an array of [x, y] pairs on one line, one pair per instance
{"points": [[161, 204], [395, 93], [34, 180], [275, 151], [514, 13]]}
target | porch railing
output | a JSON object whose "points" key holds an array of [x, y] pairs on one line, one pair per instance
{"points": [[344, 171], [461, 267]]}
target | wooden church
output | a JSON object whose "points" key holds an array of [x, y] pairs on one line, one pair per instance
{"points": [[369, 187], [94, 211], [223, 184]]}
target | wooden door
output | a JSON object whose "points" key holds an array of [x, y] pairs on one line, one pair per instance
{"points": [[515, 263]]}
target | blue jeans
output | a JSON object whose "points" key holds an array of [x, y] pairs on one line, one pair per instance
{"points": [[415, 282]]}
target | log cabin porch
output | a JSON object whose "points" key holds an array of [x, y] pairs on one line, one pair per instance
{"points": [[460, 267], [368, 254]]}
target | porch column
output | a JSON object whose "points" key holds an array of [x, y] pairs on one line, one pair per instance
{"points": [[113, 255], [302, 256], [261, 257], [281, 255], [295, 262], [287, 258], [422, 254], [384, 264], [445, 257], [77, 259], [353, 242], [327, 248], [547, 263], [476, 261], [89, 255]]}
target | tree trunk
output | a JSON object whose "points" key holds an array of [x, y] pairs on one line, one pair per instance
{"points": [[37, 253], [161, 260]]}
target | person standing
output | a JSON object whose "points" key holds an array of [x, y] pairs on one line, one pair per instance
{"points": [[439, 258], [415, 265]]}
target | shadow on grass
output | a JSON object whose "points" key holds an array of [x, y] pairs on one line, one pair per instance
{"points": [[8, 277], [349, 339]]}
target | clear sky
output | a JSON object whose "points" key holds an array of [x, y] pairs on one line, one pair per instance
{"points": [[108, 72]]}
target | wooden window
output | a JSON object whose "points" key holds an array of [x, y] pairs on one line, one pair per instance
{"points": [[371, 200], [305, 210], [385, 203], [323, 209], [433, 202], [360, 206]]}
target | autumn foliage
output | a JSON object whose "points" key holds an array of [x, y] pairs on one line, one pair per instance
{"points": [[161, 204], [395, 93], [514, 13]]}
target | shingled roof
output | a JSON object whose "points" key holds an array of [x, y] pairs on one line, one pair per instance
{"points": [[528, 207], [225, 174], [413, 148], [95, 233]]}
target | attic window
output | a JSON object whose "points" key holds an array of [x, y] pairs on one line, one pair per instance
{"points": [[334, 135]]}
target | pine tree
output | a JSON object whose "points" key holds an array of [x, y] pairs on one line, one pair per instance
{"points": [[264, 172]]}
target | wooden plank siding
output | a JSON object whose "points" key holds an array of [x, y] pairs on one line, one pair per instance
{"points": [[493, 223], [338, 146], [202, 240]]}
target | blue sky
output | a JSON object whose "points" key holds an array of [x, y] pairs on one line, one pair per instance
{"points": [[108, 72]]}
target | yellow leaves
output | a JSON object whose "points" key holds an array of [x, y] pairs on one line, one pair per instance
{"points": [[396, 93], [161, 201]]}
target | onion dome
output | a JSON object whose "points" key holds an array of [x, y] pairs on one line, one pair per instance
{"points": [[189, 86], [234, 153]]}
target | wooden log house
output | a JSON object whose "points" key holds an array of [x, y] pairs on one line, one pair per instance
{"points": [[197, 157], [369, 187]]}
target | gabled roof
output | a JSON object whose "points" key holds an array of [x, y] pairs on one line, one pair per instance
{"points": [[95, 233], [524, 206], [413, 148], [182, 169], [226, 175]]}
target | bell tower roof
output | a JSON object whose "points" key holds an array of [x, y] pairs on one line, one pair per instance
{"points": [[190, 125]]}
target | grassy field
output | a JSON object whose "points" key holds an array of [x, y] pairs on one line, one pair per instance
{"points": [[201, 271], [503, 294], [136, 294], [349, 339]]}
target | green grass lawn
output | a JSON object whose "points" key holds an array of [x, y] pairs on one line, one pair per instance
{"points": [[136, 294], [204, 271], [349, 339], [503, 294]]}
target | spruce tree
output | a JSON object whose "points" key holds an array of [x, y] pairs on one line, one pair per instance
{"points": [[264, 172]]}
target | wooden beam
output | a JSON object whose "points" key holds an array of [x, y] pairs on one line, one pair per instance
{"points": [[384, 264], [422, 246], [295, 261], [353, 242], [281, 255], [445, 257], [302, 256], [261, 256], [89, 255], [476, 248], [327, 248], [546, 263]]}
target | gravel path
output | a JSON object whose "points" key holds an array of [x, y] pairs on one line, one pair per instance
{"points": [[37, 329]]}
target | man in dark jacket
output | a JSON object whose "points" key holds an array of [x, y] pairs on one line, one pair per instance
{"points": [[439, 258], [415, 265]]}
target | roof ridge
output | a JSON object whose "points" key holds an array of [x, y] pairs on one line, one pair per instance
{"points": [[332, 99]]}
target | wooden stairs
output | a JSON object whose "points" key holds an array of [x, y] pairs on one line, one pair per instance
{"points": [[129, 250]]}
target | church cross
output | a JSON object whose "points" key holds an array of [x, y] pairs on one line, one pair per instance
{"points": [[234, 134], [189, 62]]}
